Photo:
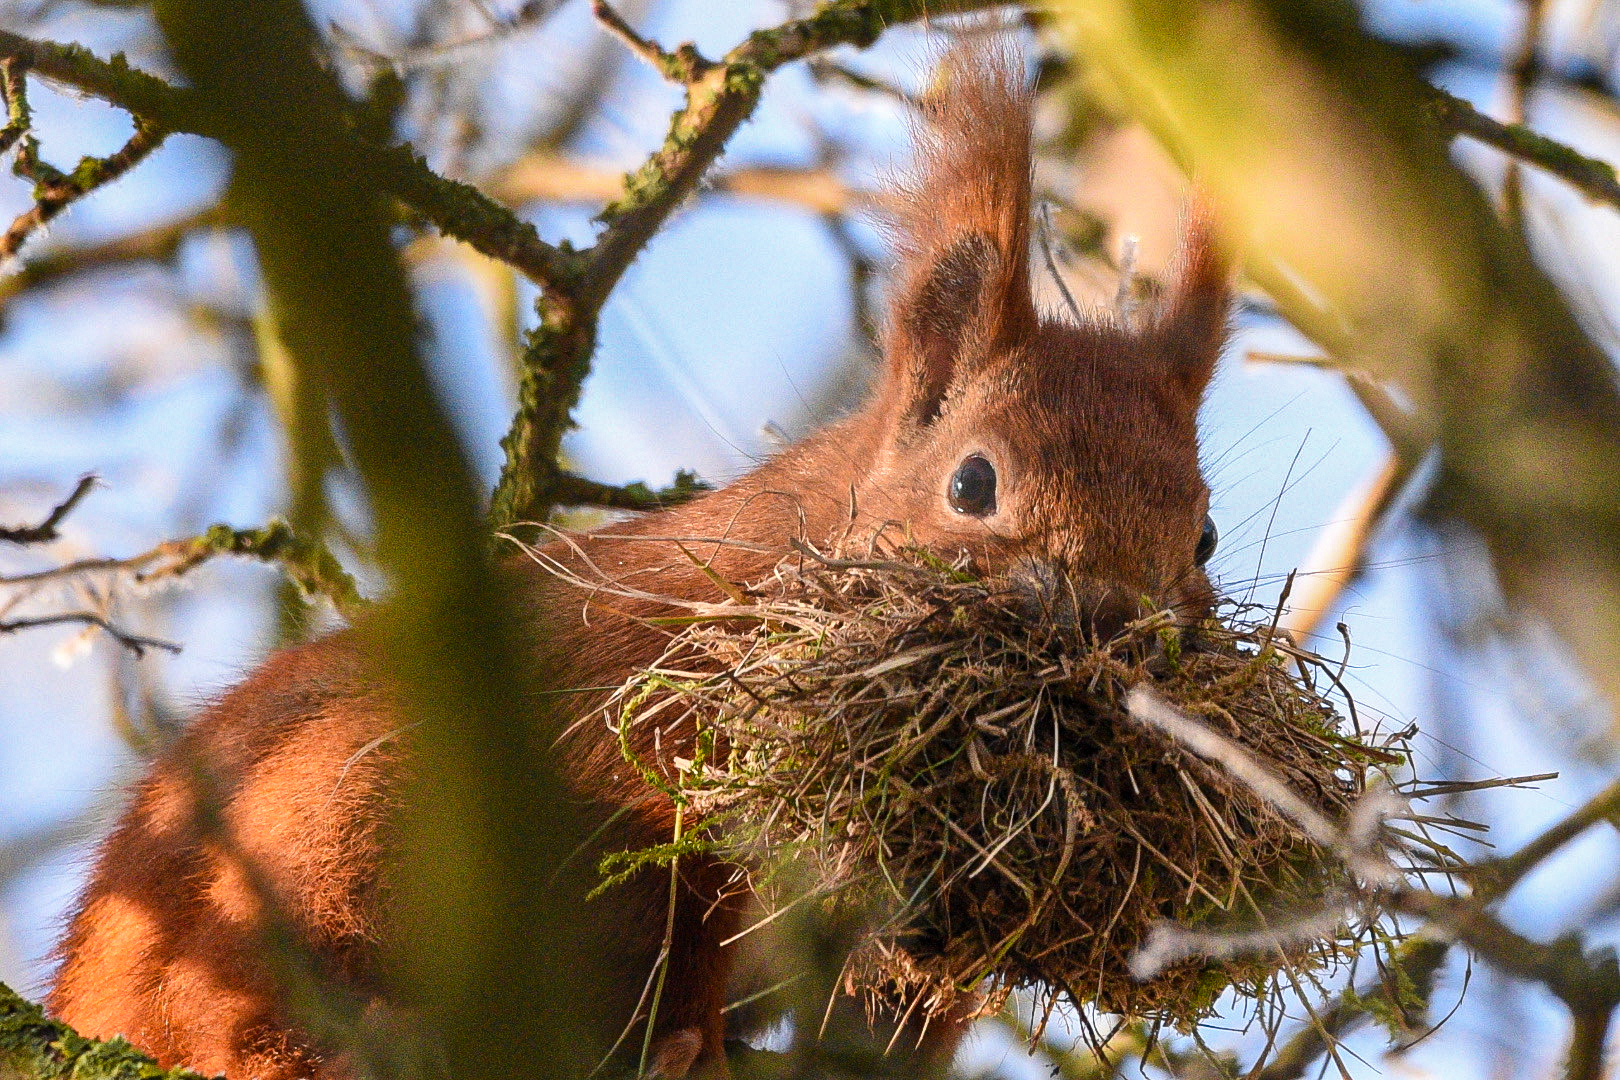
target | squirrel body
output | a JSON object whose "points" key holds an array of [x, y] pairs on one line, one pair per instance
{"points": [[1063, 457]]}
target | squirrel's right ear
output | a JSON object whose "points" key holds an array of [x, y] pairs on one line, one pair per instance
{"points": [[962, 289], [1195, 321]]}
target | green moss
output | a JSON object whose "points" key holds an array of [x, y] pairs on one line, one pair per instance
{"points": [[33, 1047]]}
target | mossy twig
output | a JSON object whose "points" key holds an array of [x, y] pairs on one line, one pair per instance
{"points": [[1593, 178], [578, 491], [55, 191]]}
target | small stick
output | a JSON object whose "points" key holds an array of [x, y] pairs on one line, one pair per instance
{"points": [[135, 643], [45, 531]]}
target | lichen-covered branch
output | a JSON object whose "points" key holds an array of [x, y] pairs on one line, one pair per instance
{"points": [[35, 1047]]}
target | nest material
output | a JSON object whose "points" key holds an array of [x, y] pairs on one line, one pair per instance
{"points": [[912, 742]]}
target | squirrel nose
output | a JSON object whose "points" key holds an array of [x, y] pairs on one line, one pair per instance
{"points": [[1101, 609]]}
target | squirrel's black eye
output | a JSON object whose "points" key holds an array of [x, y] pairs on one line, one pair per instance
{"points": [[1207, 541], [973, 488]]}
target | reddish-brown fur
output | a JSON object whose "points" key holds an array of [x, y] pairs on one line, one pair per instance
{"points": [[1092, 430]]}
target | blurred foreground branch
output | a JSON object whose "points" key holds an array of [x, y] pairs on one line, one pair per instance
{"points": [[484, 948], [1586, 981], [135, 643]]}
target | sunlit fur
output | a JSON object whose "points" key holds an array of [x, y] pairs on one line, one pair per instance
{"points": [[1092, 430]]}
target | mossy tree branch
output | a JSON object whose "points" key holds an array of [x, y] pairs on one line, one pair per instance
{"points": [[37, 1048], [55, 190]]}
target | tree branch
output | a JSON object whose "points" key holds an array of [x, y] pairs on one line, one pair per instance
{"points": [[54, 193], [574, 490], [1402, 991], [135, 643], [157, 244], [308, 563], [1490, 881], [455, 209]]}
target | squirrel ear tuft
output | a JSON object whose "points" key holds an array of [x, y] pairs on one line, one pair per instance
{"points": [[962, 288], [1194, 323]]}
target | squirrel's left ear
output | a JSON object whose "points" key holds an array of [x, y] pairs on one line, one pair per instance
{"points": [[962, 291], [1193, 323]]}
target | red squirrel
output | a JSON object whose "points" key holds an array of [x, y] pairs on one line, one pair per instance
{"points": [[1061, 457]]}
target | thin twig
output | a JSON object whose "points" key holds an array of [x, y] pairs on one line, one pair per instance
{"points": [[681, 66], [135, 643], [13, 85], [1593, 178], [1494, 880], [308, 563], [578, 491], [45, 531], [1522, 75], [1044, 232], [1418, 960], [529, 15], [55, 192]]}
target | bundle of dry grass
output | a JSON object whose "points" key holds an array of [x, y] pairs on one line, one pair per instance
{"points": [[928, 751]]}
